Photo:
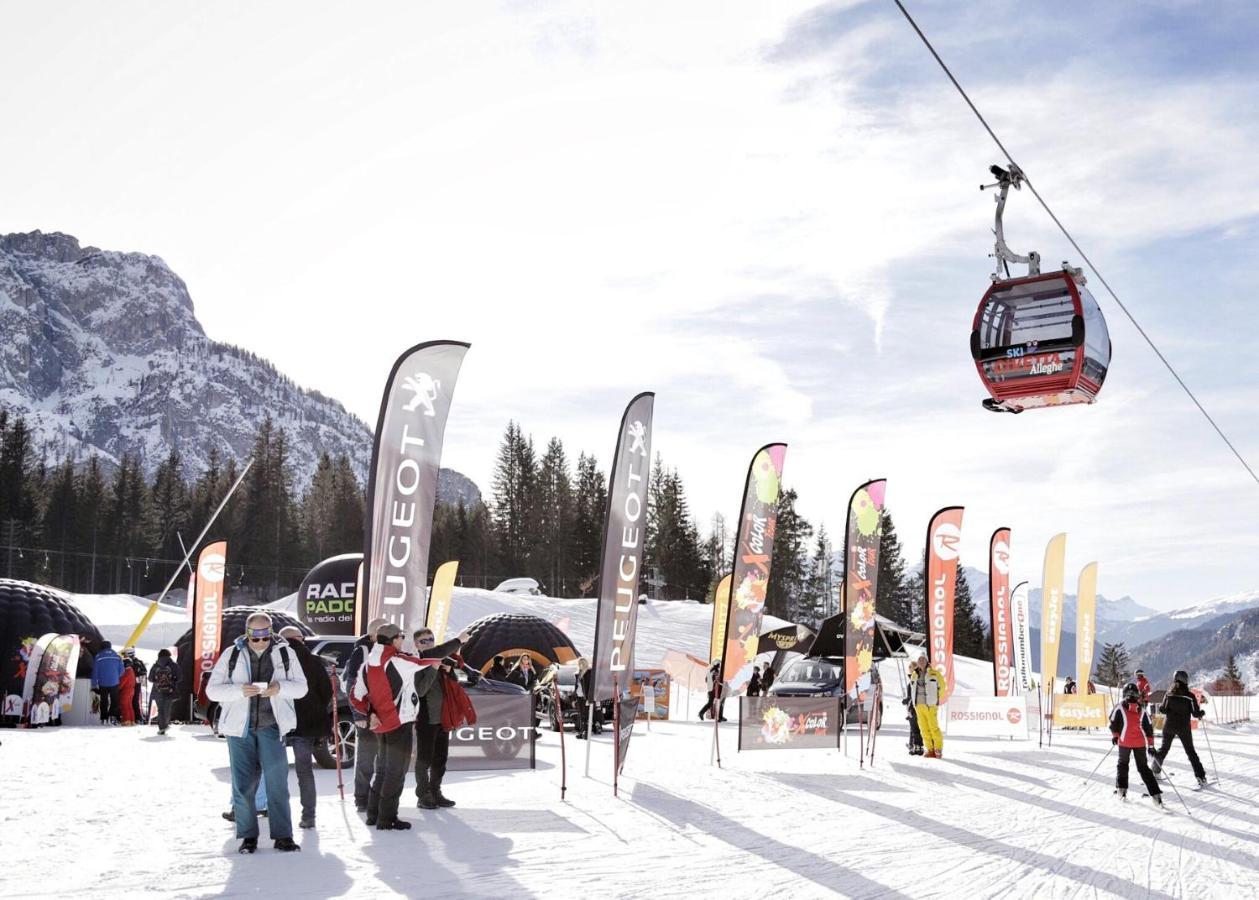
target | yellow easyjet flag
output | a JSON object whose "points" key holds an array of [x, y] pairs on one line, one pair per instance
{"points": [[1085, 626], [1051, 610], [721, 609], [439, 598]]}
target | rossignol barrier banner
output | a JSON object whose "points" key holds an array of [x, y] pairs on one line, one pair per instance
{"points": [[439, 598], [325, 600], [55, 679], [1051, 600], [944, 535], [789, 723], [1081, 711], [207, 622], [1021, 618], [753, 558], [861, 581], [721, 611], [651, 686], [502, 738], [987, 717], [1001, 619], [1085, 626], [402, 483], [624, 535]]}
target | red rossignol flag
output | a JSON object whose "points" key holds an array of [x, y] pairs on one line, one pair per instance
{"points": [[1002, 615], [944, 535], [207, 623]]}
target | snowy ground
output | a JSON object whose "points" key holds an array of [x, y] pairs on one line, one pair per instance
{"points": [[120, 811]]}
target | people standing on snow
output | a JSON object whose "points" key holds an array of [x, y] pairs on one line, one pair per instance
{"points": [[54, 708], [1070, 686], [432, 738], [314, 724], [141, 670], [754, 683], [498, 671], [523, 673], [928, 689], [365, 745], [127, 692], [256, 682], [387, 692], [164, 677], [911, 713], [1179, 706], [1132, 731], [767, 679], [715, 704], [583, 697], [106, 673], [1144, 689]]}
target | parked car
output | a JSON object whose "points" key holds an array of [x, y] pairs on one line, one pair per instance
{"points": [[519, 586], [566, 675], [823, 676]]}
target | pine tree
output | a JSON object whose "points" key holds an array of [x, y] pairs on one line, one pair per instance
{"points": [[88, 524], [169, 509], [893, 599], [1113, 665], [348, 509], [1232, 677], [789, 573], [513, 499], [318, 510], [555, 515], [822, 593], [19, 503], [968, 627], [59, 522], [590, 502]]}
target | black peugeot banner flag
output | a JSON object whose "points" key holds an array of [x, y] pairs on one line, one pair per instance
{"points": [[325, 600], [402, 485], [622, 556]]}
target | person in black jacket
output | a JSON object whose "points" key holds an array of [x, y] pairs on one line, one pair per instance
{"points": [[523, 673], [164, 676], [498, 671], [754, 684], [767, 679], [432, 741], [366, 744], [1178, 705], [583, 696], [313, 720]]}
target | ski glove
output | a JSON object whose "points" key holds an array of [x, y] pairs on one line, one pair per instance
{"points": [[1114, 739]]}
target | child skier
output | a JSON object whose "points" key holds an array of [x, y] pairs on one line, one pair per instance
{"points": [[1132, 731], [1177, 706]]}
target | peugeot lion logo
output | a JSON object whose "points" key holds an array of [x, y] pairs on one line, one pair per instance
{"points": [[945, 540], [638, 438], [424, 390]]}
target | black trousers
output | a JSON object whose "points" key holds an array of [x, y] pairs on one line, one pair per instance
{"points": [[432, 749], [163, 702], [915, 735], [1185, 733], [364, 764], [1143, 769], [110, 708], [710, 706], [393, 758]]}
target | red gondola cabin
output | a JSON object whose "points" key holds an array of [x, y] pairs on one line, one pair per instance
{"points": [[1040, 341]]}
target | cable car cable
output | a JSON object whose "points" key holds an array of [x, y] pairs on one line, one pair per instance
{"points": [[1035, 193]]}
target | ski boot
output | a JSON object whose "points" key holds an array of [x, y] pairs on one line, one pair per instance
{"points": [[1158, 799], [1122, 793], [1202, 782]]}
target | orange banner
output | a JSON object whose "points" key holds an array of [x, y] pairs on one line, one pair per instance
{"points": [[1002, 616], [207, 621], [1051, 600], [944, 536]]}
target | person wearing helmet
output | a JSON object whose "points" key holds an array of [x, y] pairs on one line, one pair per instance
{"points": [[1178, 706], [1132, 731]]}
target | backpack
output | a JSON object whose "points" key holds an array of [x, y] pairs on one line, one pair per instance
{"points": [[164, 678]]}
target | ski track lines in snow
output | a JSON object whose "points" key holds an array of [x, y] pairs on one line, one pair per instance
{"points": [[125, 813]]}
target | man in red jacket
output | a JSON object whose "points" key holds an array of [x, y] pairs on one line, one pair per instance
{"points": [[1132, 730]]}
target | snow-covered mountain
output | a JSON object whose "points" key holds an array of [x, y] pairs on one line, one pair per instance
{"points": [[1153, 627], [1203, 649], [102, 353]]}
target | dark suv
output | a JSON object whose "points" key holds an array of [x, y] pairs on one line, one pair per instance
{"points": [[822, 676]]}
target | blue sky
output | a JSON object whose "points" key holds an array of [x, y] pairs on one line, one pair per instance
{"points": [[767, 213]]}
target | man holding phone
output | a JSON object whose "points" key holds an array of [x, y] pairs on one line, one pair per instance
{"points": [[256, 681]]}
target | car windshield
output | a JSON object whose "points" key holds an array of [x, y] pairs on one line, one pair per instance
{"points": [[812, 670]]}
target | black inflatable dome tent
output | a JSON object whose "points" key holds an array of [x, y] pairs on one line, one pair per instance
{"points": [[33, 610], [512, 635], [233, 627]]}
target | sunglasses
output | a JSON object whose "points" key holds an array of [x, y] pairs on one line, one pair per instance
{"points": [[428, 639]]}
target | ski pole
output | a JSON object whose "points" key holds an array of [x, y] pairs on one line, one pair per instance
{"points": [[1207, 735], [559, 717], [337, 744], [1099, 764], [1178, 797]]}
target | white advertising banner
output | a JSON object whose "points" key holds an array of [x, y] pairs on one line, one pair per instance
{"points": [[986, 717]]}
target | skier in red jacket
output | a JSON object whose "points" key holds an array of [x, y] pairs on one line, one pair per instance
{"points": [[126, 693], [1144, 688], [1132, 730]]}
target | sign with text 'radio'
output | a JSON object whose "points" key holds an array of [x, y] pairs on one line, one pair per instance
{"points": [[987, 717]]}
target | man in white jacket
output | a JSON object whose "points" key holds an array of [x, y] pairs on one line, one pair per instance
{"points": [[256, 681]]}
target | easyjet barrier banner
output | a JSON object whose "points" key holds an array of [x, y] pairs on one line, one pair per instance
{"points": [[1081, 711], [861, 581], [1085, 626], [503, 736], [1051, 599], [721, 611], [753, 557], [402, 483], [987, 717], [1001, 619], [207, 622], [624, 535], [789, 723], [651, 687], [944, 535], [326, 597], [439, 598], [1021, 618]]}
